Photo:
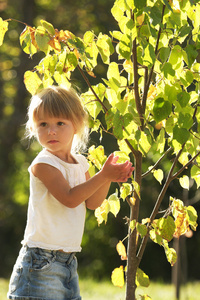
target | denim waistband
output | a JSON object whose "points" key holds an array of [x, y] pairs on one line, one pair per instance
{"points": [[59, 255]]}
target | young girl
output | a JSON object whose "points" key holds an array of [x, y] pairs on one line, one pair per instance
{"points": [[60, 191]]}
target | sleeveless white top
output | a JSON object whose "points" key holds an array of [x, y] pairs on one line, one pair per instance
{"points": [[50, 224]]}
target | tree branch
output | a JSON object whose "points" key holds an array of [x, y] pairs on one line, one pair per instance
{"points": [[185, 166], [91, 88], [160, 159]]}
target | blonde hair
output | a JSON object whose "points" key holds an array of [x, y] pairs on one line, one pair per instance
{"points": [[56, 101]]}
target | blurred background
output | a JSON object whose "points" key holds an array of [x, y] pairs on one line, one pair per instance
{"points": [[98, 257]]}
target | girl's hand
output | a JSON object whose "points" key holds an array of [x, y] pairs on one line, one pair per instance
{"points": [[117, 172]]}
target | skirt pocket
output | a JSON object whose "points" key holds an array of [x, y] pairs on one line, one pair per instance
{"points": [[40, 262], [14, 280]]}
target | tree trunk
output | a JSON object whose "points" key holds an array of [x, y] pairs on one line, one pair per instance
{"points": [[132, 262]]}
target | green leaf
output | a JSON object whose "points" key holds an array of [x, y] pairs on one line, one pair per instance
{"points": [[149, 56], [61, 79], [154, 14], [145, 142], [161, 109], [125, 46], [42, 39], [136, 187], [183, 98], [3, 29], [27, 41], [185, 120], [191, 54], [164, 54], [141, 229], [120, 123], [105, 47], [160, 141], [48, 26], [32, 82], [140, 4], [192, 217], [195, 174], [167, 69], [142, 279], [155, 237], [166, 227], [97, 156], [170, 253], [181, 135], [118, 9]]}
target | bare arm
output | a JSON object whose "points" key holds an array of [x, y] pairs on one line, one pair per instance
{"points": [[97, 198], [72, 197]]}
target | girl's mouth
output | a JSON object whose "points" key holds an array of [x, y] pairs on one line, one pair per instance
{"points": [[52, 141]]}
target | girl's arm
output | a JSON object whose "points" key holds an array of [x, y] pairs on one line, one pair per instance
{"points": [[57, 185], [97, 198]]}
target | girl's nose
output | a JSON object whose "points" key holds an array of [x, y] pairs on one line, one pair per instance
{"points": [[52, 130]]}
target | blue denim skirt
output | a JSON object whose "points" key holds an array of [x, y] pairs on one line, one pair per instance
{"points": [[44, 275]]}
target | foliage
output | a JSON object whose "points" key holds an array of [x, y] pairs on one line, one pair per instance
{"points": [[150, 96]]}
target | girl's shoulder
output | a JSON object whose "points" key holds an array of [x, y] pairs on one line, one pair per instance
{"points": [[82, 160], [45, 157]]}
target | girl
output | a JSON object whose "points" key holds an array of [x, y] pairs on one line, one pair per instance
{"points": [[60, 191]]}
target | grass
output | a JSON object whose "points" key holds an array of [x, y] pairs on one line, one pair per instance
{"points": [[93, 290]]}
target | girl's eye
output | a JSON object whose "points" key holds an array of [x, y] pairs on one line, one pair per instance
{"points": [[60, 123], [43, 124]]}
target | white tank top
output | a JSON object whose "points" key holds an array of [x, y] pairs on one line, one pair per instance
{"points": [[50, 224]]}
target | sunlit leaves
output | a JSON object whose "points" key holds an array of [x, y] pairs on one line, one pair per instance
{"points": [[111, 205], [117, 277], [48, 26], [125, 190], [42, 39], [158, 174], [170, 253], [185, 182], [97, 156], [164, 227], [105, 47], [3, 29], [28, 42], [185, 217], [32, 81]]}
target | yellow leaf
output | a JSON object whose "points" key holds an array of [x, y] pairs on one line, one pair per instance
{"points": [[3, 29], [32, 82], [117, 277], [101, 213], [114, 203], [185, 182], [140, 19], [132, 200], [54, 43], [121, 250], [182, 225], [158, 174]]}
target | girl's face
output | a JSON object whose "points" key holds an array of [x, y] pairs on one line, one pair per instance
{"points": [[56, 135]]}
